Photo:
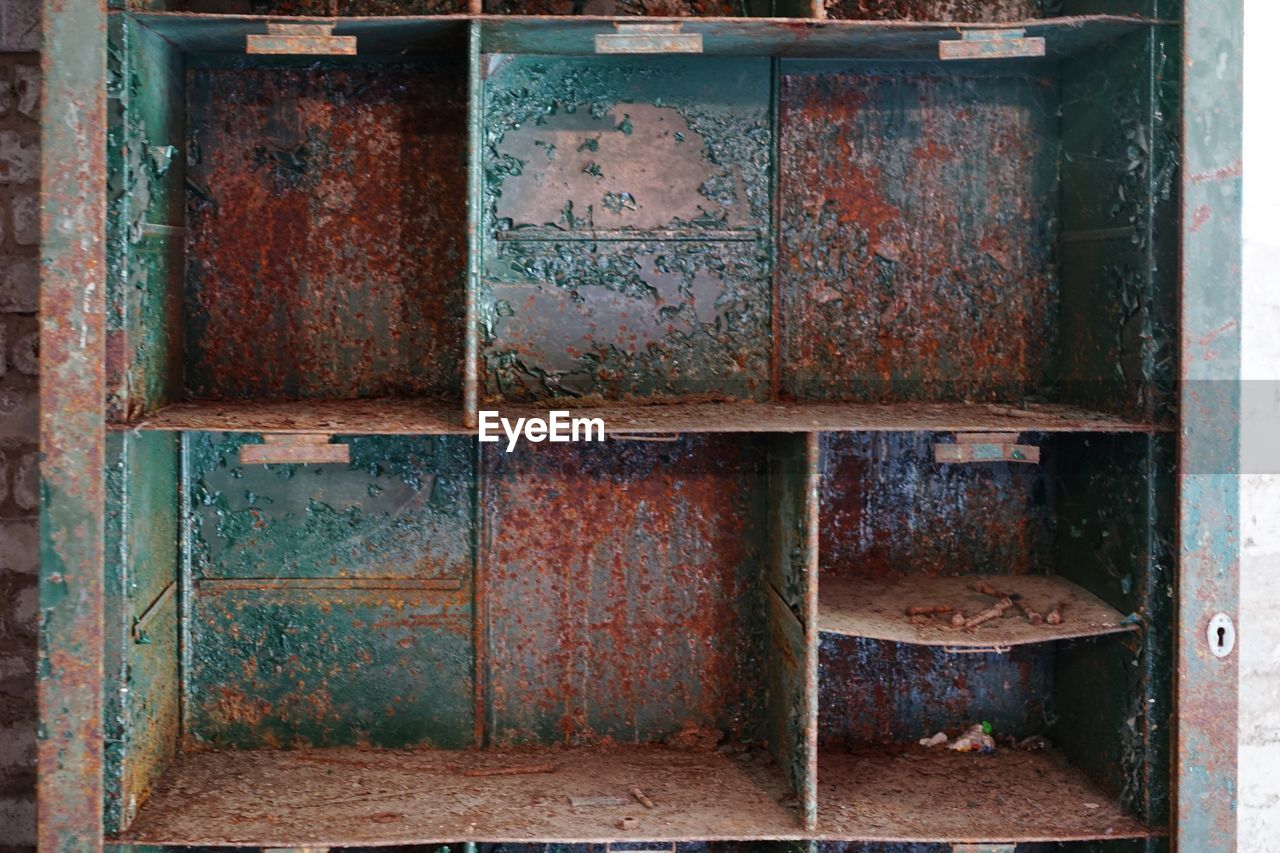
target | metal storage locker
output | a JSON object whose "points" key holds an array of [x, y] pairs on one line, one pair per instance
{"points": [[880, 301]]}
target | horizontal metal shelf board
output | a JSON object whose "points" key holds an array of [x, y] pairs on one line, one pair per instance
{"points": [[877, 610], [332, 797], [424, 417], [565, 35], [334, 417], [300, 798], [918, 794]]}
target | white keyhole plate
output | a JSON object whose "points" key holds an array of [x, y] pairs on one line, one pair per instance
{"points": [[1221, 635]]}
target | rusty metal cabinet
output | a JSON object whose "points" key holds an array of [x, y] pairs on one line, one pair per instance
{"points": [[878, 301]]}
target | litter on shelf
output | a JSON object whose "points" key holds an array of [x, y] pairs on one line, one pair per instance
{"points": [[937, 740], [1055, 615], [977, 738], [641, 798]]}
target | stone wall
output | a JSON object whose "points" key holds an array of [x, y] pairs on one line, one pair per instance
{"points": [[19, 481]]}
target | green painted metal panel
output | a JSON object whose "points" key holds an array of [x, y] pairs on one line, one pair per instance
{"points": [[400, 509], [331, 604], [639, 263], [146, 167], [142, 660]]}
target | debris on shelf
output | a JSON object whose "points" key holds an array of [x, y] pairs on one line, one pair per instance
{"points": [[928, 609], [1055, 615], [977, 738], [1034, 743], [641, 798], [995, 611], [937, 740]]}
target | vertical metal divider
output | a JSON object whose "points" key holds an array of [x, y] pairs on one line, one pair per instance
{"points": [[480, 528], [812, 481], [790, 613], [72, 424], [480, 600], [475, 220], [186, 588]]}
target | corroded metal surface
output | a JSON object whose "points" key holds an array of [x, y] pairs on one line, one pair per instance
{"points": [[377, 415], [624, 593], [790, 672], [425, 417], [344, 796], [332, 603], [888, 510], [808, 39], [974, 11], [880, 692], [1114, 536], [69, 749], [968, 234], [652, 8], [918, 218], [145, 229], [1208, 491], [635, 145], [326, 8], [325, 246], [141, 719]]}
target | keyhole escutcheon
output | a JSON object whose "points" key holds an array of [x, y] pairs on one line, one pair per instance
{"points": [[1221, 635]]}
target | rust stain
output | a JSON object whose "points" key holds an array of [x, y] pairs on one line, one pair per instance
{"points": [[324, 253]]}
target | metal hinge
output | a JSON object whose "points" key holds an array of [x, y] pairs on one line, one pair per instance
{"points": [[649, 38], [986, 447], [300, 39], [295, 447], [991, 44]]}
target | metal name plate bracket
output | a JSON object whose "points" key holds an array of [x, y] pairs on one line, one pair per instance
{"points": [[304, 39], [986, 447], [991, 44], [649, 38]]}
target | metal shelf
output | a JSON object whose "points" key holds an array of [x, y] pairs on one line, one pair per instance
{"points": [[333, 797], [914, 794], [877, 610], [427, 417]]}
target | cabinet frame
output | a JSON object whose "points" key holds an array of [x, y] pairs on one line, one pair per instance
{"points": [[73, 423]]}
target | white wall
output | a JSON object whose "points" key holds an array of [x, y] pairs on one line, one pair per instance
{"points": [[1260, 487]]}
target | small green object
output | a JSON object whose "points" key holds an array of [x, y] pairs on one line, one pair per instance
{"points": [[986, 727]]}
